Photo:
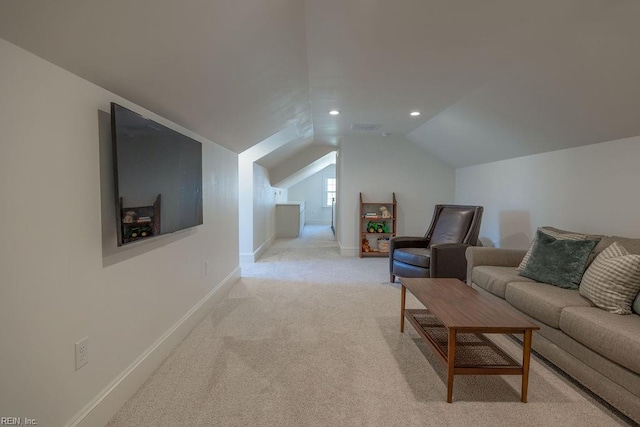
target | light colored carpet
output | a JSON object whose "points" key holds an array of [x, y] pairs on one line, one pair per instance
{"points": [[310, 338]]}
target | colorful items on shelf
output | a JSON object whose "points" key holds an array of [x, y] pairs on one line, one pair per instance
{"points": [[378, 227]]}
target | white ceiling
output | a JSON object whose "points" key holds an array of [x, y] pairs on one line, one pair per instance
{"points": [[494, 79]]}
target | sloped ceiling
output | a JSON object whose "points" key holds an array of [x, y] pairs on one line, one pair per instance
{"points": [[309, 169], [493, 79], [560, 92], [234, 72], [301, 165]]}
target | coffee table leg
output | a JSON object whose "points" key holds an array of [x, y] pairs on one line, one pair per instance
{"points": [[451, 359], [526, 357], [403, 296]]}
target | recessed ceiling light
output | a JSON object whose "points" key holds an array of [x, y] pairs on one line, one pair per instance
{"points": [[334, 112], [414, 113]]}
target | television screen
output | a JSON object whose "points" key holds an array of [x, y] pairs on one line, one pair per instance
{"points": [[158, 177]]}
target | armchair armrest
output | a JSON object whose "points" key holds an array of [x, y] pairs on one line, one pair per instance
{"points": [[405, 242], [408, 242], [493, 256], [448, 260]]}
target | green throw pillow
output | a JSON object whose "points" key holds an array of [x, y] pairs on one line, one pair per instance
{"points": [[558, 262]]}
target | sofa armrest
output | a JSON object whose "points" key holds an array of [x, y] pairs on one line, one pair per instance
{"points": [[493, 256], [448, 260]]}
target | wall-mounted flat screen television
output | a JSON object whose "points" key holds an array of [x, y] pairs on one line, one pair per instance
{"points": [[158, 177]]}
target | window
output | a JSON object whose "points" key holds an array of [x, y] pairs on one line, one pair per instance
{"points": [[329, 191]]}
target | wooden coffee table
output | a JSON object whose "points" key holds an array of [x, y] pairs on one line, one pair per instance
{"points": [[455, 319]]}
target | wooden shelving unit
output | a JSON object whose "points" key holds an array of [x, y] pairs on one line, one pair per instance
{"points": [[377, 227], [144, 222]]}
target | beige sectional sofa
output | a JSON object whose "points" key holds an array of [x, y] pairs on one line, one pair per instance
{"points": [[598, 348]]}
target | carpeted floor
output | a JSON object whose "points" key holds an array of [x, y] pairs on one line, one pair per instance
{"points": [[310, 338]]}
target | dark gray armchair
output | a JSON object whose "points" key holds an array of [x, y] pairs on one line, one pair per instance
{"points": [[441, 252]]}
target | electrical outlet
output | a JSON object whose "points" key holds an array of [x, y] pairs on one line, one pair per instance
{"points": [[206, 268], [82, 352]]}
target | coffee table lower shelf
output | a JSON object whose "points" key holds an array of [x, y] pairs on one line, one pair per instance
{"points": [[474, 353]]}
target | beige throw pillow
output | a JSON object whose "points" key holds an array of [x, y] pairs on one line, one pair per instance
{"points": [[557, 234], [613, 280]]}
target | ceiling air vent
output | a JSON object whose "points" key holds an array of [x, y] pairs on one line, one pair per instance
{"points": [[365, 127]]}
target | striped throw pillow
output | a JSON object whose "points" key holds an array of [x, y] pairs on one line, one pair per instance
{"points": [[613, 280], [553, 233]]}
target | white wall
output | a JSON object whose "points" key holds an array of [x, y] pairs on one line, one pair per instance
{"points": [[257, 203], [378, 166], [592, 189], [264, 210], [245, 204], [311, 190], [252, 242], [282, 194], [62, 276]]}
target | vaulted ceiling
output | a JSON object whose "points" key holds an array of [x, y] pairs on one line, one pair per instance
{"points": [[493, 79]]}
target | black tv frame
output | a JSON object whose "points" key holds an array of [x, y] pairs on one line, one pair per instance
{"points": [[120, 204]]}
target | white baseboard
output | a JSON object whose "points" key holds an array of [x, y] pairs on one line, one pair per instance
{"points": [[249, 257], [345, 251], [104, 406]]}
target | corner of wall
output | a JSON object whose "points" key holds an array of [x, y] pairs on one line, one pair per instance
{"points": [[250, 257], [348, 251]]}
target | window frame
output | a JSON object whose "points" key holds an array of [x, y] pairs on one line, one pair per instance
{"points": [[326, 191]]}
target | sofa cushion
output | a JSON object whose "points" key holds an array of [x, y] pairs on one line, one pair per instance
{"points": [[558, 234], [615, 337], [612, 282], [558, 262], [543, 302], [419, 257], [494, 279], [631, 245]]}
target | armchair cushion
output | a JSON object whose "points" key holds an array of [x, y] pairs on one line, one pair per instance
{"points": [[452, 227]]}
